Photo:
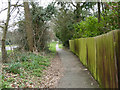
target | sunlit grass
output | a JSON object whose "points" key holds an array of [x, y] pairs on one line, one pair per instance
{"points": [[52, 47], [60, 46]]}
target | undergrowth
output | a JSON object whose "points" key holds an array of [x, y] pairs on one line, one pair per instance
{"points": [[26, 63]]}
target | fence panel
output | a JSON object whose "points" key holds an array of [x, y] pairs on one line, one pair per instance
{"points": [[91, 55], [83, 52]]}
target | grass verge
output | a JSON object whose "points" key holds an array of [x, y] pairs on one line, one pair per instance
{"points": [[52, 47], [60, 46]]}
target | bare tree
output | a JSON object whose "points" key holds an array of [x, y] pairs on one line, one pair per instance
{"points": [[4, 53], [29, 28]]}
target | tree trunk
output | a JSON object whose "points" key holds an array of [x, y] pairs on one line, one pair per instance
{"points": [[78, 11], [98, 11], [102, 4], [119, 14], [4, 53], [29, 28]]}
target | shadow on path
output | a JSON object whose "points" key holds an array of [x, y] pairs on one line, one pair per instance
{"points": [[75, 74]]}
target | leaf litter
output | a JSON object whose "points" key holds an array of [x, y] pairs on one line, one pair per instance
{"points": [[49, 78]]}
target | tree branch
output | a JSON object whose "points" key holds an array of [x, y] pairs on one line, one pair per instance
{"points": [[3, 10], [12, 5], [17, 5], [73, 4], [1, 27]]}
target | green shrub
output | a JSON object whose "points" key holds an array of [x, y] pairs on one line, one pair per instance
{"points": [[35, 63], [29, 62], [24, 58], [52, 47], [14, 68], [88, 28], [5, 84]]}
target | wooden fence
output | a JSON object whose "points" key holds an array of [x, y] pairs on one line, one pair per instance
{"points": [[101, 55]]}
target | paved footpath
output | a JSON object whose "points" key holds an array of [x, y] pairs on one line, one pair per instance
{"points": [[75, 74]]}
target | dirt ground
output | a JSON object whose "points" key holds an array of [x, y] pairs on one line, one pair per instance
{"points": [[53, 74]]}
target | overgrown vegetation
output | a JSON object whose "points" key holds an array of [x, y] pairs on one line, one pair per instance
{"points": [[29, 61], [89, 28], [41, 34], [80, 19], [25, 65]]}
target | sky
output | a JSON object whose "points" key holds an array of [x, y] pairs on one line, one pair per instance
{"points": [[3, 15], [3, 4]]}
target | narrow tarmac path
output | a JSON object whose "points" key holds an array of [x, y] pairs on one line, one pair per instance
{"points": [[75, 74]]}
